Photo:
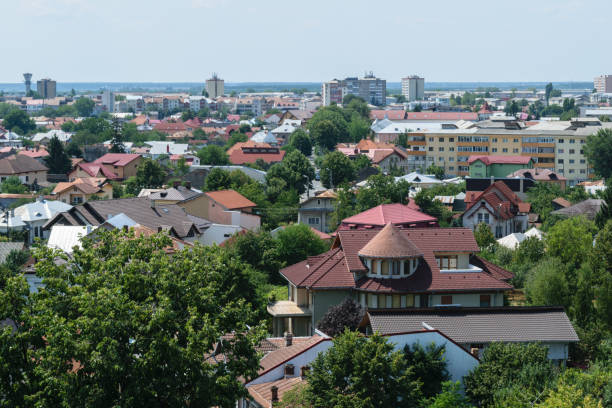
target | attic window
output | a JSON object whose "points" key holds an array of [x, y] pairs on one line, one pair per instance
{"points": [[165, 210]]}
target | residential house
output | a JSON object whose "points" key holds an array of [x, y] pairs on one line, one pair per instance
{"points": [[66, 237], [498, 207], [592, 187], [10, 139], [400, 215], [302, 115], [286, 361], [474, 328], [587, 208], [315, 211], [191, 200], [170, 128], [28, 170], [32, 217], [250, 152], [45, 138], [159, 149], [124, 165], [264, 136], [283, 132], [541, 176], [94, 170], [229, 207], [38, 154], [389, 268], [81, 190], [498, 166]]}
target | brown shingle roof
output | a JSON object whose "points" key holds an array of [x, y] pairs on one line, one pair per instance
{"points": [[262, 393], [19, 163], [480, 325], [390, 243]]}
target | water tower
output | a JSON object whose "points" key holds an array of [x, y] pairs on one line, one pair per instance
{"points": [[28, 82]]}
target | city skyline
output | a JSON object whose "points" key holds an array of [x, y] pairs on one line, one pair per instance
{"points": [[448, 42]]}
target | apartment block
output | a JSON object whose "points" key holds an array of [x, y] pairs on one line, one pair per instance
{"points": [[369, 88], [46, 88], [413, 88], [557, 146], [603, 84]]}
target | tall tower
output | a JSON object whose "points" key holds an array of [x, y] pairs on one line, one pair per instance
{"points": [[214, 86], [28, 82]]}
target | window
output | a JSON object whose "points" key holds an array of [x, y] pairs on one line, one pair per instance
{"points": [[441, 159], [371, 300], [382, 301], [572, 151], [516, 140], [571, 161], [505, 140], [485, 300], [581, 151], [27, 178], [560, 150], [572, 141], [451, 149], [447, 261], [384, 267], [395, 267], [514, 150], [451, 168], [447, 300], [494, 140], [498, 231], [318, 202], [431, 139], [451, 159], [440, 149], [572, 171], [451, 139], [430, 149], [440, 139], [505, 150], [582, 171], [396, 302], [561, 140], [494, 150], [560, 161], [486, 218], [582, 161], [313, 220]]}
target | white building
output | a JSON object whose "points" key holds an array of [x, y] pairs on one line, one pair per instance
{"points": [[413, 88], [108, 100], [32, 217]]}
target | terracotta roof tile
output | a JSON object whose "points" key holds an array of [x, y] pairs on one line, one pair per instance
{"points": [[117, 159], [230, 199], [499, 159], [388, 213], [390, 243]]}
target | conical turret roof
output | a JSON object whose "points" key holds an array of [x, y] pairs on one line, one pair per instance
{"points": [[390, 242]]}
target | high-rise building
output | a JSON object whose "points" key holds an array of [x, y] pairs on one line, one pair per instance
{"points": [[332, 92], [369, 88], [108, 100], [603, 84], [413, 88], [46, 88], [27, 79], [214, 86]]}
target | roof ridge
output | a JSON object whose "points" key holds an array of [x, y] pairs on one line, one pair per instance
{"points": [[328, 269]]}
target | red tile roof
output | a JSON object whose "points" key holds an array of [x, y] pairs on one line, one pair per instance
{"points": [[230, 199], [395, 114], [34, 153], [117, 159], [239, 156], [441, 116], [97, 170], [170, 126], [390, 243], [262, 393], [341, 266], [397, 214], [499, 159]]}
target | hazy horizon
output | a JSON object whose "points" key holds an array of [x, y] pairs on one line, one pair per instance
{"points": [[280, 41]]}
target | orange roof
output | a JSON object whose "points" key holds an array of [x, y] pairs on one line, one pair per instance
{"points": [[230, 199], [88, 185], [262, 393], [248, 143]]}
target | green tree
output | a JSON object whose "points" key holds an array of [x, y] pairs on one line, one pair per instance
{"points": [[598, 151], [428, 366], [73, 150], [295, 170], [84, 106], [336, 169], [548, 91], [16, 259], [334, 129], [217, 179], [213, 154], [436, 171], [484, 237], [605, 211], [363, 372], [358, 128], [12, 185], [234, 138], [296, 242], [450, 397], [340, 317], [150, 174], [547, 284], [381, 189], [511, 366], [18, 119], [344, 206], [57, 161], [120, 310], [571, 240], [301, 141]]}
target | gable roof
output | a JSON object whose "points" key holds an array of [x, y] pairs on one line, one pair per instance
{"points": [[230, 199], [537, 174], [19, 163], [388, 213], [86, 185], [163, 217], [239, 156], [117, 159], [499, 159], [503, 204], [97, 170], [179, 193], [589, 208], [480, 324]]}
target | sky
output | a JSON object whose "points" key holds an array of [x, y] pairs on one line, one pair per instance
{"points": [[304, 41]]}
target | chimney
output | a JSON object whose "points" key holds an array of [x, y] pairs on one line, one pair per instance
{"points": [[274, 391], [288, 339]]}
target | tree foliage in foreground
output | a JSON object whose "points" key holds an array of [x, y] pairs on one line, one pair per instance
{"points": [[122, 323], [346, 315]]}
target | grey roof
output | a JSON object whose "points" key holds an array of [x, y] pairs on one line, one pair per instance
{"points": [[589, 208], [18, 164], [138, 209], [7, 247], [257, 175], [179, 193], [480, 324]]}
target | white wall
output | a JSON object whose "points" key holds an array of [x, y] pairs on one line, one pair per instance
{"points": [[216, 234]]}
